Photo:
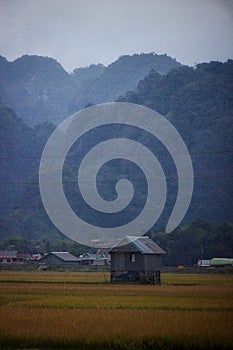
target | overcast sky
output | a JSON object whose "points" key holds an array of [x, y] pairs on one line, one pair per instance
{"points": [[80, 32]]}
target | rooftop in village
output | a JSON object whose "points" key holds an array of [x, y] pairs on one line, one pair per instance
{"points": [[143, 244]]}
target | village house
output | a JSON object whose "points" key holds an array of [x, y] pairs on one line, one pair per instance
{"points": [[103, 257], [69, 260], [203, 263], [221, 262], [215, 262], [60, 258], [98, 259], [13, 257], [87, 259], [136, 259]]}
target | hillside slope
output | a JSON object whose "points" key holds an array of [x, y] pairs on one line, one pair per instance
{"points": [[38, 89], [121, 76], [199, 102], [18, 157]]}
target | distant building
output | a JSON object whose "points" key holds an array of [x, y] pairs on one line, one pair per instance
{"points": [[60, 258], [221, 262], [36, 257], [136, 259], [103, 257], [203, 263], [102, 253], [215, 262], [12, 257], [87, 259], [94, 259]]}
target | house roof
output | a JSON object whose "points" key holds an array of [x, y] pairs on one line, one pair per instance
{"points": [[8, 253], [23, 256], [101, 252], [221, 261], [65, 256], [143, 244], [87, 256]]}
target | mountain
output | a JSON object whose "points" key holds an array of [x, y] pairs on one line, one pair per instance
{"points": [[199, 103], [17, 159], [21, 210], [38, 89], [86, 75], [121, 76], [21, 148]]}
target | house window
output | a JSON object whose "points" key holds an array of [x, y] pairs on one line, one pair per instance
{"points": [[132, 257]]}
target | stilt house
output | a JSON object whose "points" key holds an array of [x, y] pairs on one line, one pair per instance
{"points": [[136, 259]]}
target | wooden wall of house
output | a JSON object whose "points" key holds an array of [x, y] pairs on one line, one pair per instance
{"points": [[121, 261], [117, 261], [152, 262], [137, 265]]}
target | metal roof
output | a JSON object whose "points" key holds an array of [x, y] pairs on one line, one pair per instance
{"points": [[87, 256], [65, 256], [8, 253], [221, 261], [143, 244]]}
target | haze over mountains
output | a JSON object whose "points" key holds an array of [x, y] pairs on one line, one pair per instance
{"points": [[198, 101], [39, 89]]}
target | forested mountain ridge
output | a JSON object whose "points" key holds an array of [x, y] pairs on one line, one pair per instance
{"points": [[38, 89], [120, 77], [21, 148], [17, 159], [88, 74], [207, 86], [198, 101]]}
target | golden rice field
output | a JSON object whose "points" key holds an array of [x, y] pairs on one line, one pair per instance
{"points": [[82, 310]]}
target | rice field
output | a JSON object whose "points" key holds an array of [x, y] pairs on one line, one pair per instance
{"points": [[82, 310]]}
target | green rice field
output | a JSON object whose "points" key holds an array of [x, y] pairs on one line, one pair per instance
{"points": [[82, 310]]}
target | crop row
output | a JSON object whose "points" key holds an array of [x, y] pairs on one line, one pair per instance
{"points": [[73, 315]]}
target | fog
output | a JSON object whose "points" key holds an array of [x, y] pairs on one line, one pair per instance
{"points": [[80, 32]]}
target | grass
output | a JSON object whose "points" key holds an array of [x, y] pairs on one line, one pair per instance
{"points": [[54, 277], [46, 310]]}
